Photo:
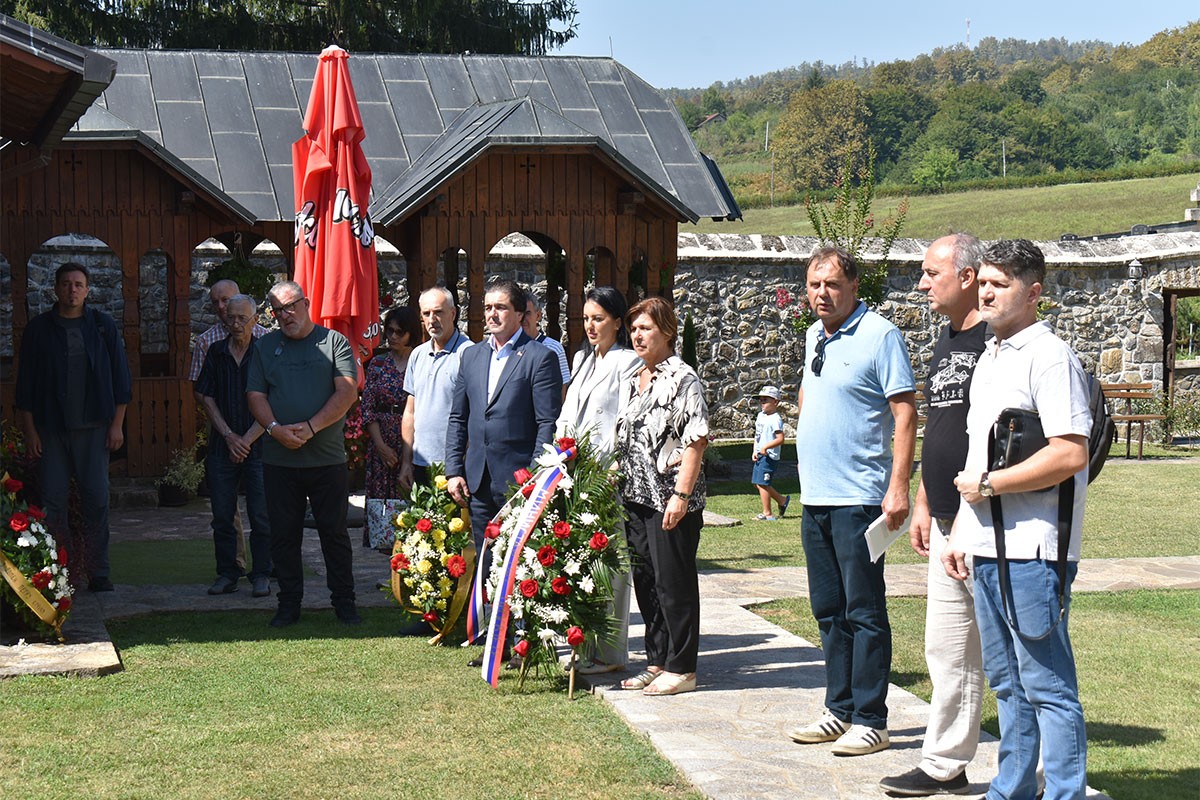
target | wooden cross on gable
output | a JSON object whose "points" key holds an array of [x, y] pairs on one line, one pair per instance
{"points": [[527, 165]]}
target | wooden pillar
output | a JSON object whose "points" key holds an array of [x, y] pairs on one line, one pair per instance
{"points": [[575, 272]]}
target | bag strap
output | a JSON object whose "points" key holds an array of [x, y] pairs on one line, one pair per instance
{"points": [[1066, 506]]}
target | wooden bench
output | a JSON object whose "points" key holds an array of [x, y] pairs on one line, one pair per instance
{"points": [[1120, 397]]}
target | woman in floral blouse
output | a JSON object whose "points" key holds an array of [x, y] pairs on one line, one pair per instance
{"points": [[382, 412], [662, 430]]}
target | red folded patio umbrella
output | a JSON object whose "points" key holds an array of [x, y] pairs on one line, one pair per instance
{"points": [[335, 241]]}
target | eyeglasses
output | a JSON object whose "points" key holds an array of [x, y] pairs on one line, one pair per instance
{"points": [[237, 322], [393, 332], [289, 309], [819, 358]]}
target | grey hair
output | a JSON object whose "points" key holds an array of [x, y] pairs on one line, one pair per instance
{"points": [[443, 291], [242, 298], [539, 305], [281, 286], [968, 252]]}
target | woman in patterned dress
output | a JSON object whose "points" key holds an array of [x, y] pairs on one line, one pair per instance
{"points": [[383, 410], [662, 430]]}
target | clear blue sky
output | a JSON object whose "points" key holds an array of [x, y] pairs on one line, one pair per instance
{"points": [[693, 43]]}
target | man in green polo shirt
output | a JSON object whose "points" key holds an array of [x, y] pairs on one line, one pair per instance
{"points": [[302, 382]]}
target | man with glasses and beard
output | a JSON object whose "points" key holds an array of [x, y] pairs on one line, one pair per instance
{"points": [[302, 381], [857, 391]]}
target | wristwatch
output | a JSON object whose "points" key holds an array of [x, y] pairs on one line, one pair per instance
{"points": [[985, 486], [272, 426], [682, 495]]}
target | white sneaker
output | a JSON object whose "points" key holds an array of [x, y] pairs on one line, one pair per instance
{"points": [[825, 729], [861, 740]]}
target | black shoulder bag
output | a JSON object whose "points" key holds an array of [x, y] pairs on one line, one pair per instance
{"points": [[1016, 435]]}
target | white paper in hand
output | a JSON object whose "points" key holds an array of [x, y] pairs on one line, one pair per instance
{"points": [[879, 538]]}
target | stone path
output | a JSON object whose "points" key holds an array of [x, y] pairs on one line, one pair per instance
{"points": [[729, 738]]}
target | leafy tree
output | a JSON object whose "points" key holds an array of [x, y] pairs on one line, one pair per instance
{"points": [[822, 130], [936, 168], [898, 116], [712, 101], [530, 27]]}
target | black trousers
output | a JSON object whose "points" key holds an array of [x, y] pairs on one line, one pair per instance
{"points": [[666, 585], [325, 489]]}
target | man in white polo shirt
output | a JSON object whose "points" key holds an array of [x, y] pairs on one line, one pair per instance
{"points": [[1027, 655]]}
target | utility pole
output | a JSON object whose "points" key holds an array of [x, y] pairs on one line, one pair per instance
{"points": [[968, 33], [1004, 158]]}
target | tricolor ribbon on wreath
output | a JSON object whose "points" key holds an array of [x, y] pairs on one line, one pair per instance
{"points": [[543, 486]]}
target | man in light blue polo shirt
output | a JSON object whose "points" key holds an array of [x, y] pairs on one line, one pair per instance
{"points": [[429, 382], [857, 392]]}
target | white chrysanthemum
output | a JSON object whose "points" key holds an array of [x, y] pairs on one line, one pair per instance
{"points": [[529, 556], [547, 635], [558, 615], [517, 610], [587, 584], [26, 540], [538, 570], [588, 518], [49, 541], [571, 567], [566, 483], [522, 573], [584, 496]]}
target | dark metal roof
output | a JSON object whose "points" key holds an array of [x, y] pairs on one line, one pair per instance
{"points": [[46, 83], [231, 118], [508, 122]]}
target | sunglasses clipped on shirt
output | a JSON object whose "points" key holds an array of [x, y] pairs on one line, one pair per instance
{"points": [[819, 359]]}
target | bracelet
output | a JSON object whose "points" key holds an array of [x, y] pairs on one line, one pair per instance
{"points": [[682, 495], [311, 430]]}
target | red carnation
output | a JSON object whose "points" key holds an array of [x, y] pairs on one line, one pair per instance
{"points": [[529, 588], [36, 513], [64, 604], [599, 541], [521, 648], [562, 529], [431, 617], [527, 489], [456, 566], [41, 580], [574, 636], [424, 525], [385, 301], [522, 475], [13, 485], [492, 530], [399, 562], [546, 555], [565, 443], [560, 586], [62, 556], [19, 521]]}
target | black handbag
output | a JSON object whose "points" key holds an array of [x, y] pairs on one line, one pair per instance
{"points": [[1015, 436]]}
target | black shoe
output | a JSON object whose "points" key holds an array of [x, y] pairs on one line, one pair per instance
{"points": [[348, 615], [261, 586], [917, 783], [100, 585], [514, 662], [286, 615], [418, 628]]}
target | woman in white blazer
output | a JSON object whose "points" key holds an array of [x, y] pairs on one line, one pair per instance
{"points": [[591, 406]]}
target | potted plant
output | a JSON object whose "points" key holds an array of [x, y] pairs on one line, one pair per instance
{"points": [[182, 477]]}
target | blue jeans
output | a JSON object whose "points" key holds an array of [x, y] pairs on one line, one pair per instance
{"points": [[847, 595], [1037, 695], [224, 476]]}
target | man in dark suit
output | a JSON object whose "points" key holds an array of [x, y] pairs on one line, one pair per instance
{"points": [[506, 400]]}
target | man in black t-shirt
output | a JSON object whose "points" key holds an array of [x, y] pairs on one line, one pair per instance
{"points": [[952, 648]]}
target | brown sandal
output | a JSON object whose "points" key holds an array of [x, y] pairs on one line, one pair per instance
{"points": [[639, 681]]}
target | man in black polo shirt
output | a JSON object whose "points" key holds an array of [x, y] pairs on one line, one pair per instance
{"points": [[234, 452]]}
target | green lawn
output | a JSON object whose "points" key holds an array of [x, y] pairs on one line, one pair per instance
{"points": [[220, 705], [1136, 658], [1133, 509], [1035, 213]]}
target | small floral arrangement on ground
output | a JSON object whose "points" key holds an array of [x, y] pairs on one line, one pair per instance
{"points": [[433, 555], [356, 438], [563, 583], [34, 565]]}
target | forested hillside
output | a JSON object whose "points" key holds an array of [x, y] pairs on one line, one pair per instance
{"points": [[1006, 108]]}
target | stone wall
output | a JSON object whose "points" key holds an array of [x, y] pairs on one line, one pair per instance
{"points": [[735, 287]]}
